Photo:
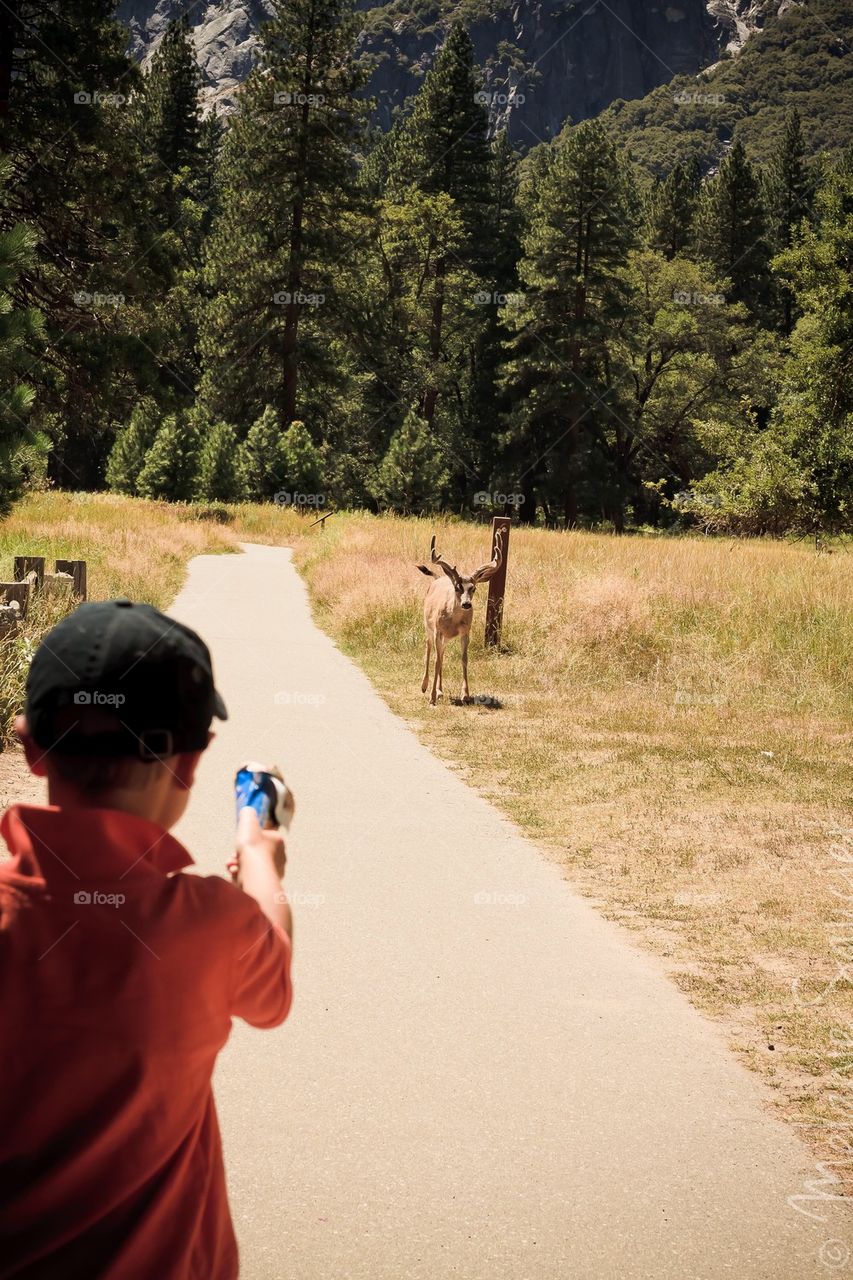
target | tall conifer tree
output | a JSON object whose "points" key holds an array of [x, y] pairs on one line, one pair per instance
{"points": [[671, 210], [175, 189], [441, 150], [64, 134], [579, 232], [287, 195], [788, 194], [732, 231]]}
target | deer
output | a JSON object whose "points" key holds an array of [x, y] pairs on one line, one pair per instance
{"points": [[449, 612]]}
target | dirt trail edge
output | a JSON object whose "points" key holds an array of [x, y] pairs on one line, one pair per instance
{"points": [[481, 1078]]}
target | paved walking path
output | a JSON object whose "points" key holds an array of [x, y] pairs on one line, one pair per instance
{"points": [[481, 1078]]}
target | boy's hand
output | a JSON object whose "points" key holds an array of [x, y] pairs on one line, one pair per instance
{"points": [[254, 843]]}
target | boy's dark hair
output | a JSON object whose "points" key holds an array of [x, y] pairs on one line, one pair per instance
{"points": [[96, 775], [93, 775]]}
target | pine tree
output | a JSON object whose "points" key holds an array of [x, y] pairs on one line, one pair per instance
{"points": [[220, 476], [581, 226], [671, 210], [288, 195], [441, 150], [265, 457], [412, 475], [441, 146], [205, 189], [173, 188], [130, 451], [789, 186], [64, 133], [18, 327], [788, 195], [168, 110], [171, 465], [732, 231], [502, 230], [303, 462]]}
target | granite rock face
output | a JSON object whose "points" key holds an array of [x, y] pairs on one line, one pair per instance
{"points": [[224, 32], [545, 61], [738, 19]]}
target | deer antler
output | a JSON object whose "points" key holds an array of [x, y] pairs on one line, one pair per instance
{"points": [[435, 558], [490, 569]]}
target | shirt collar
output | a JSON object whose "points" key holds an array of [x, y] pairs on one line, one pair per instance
{"points": [[85, 844]]}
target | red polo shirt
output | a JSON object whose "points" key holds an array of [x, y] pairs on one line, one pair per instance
{"points": [[118, 983]]}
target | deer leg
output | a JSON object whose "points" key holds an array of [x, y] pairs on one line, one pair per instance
{"points": [[436, 679], [463, 641], [425, 684]]}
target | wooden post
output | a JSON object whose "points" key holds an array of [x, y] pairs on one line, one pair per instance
{"points": [[10, 619], [77, 569], [25, 565], [497, 584], [20, 591], [58, 584]]}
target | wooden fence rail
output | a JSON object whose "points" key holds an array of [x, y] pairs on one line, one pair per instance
{"points": [[31, 579]]}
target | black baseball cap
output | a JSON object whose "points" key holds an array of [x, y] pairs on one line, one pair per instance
{"points": [[116, 678]]}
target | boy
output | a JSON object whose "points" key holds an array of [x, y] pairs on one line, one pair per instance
{"points": [[119, 975]]}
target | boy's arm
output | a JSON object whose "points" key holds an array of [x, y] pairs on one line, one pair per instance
{"points": [[262, 990], [259, 869]]}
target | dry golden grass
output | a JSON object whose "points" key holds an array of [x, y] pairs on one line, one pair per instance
{"points": [[131, 547], [675, 728]]}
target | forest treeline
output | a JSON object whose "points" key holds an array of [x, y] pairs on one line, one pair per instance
{"points": [[289, 304]]}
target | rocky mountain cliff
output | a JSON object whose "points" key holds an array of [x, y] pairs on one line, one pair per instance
{"points": [[223, 31], [545, 61], [739, 19]]}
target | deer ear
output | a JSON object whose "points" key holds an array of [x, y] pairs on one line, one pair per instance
{"points": [[429, 573]]}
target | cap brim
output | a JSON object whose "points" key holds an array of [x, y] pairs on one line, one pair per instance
{"points": [[219, 708]]}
